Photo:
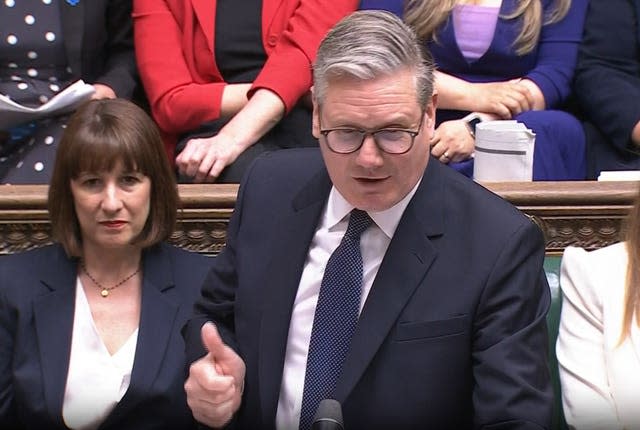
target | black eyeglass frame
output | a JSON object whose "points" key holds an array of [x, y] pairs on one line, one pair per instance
{"points": [[372, 133]]}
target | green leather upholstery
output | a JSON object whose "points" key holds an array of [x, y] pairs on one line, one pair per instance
{"points": [[552, 269]]}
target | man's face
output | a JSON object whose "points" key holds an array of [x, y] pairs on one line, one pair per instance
{"points": [[369, 178]]}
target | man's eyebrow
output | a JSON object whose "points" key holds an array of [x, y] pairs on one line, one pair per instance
{"points": [[399, 122]]}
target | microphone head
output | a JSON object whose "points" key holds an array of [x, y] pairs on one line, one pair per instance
{"points": [[328, 416]]}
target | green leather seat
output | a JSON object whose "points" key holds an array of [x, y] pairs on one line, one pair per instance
{"points": [[552, 269]]}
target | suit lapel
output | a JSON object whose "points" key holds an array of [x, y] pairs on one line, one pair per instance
{"points": [[636, 4], [622, 359], [157, 318], [205, 11], [294, 234], [53, 314], [72, 31], [269, 11], [406, 262]]}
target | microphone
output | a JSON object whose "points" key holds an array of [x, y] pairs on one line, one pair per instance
{"points": [[328, 416]]}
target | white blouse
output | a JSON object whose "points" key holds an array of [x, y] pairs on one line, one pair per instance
{"points": [[96, 380]]}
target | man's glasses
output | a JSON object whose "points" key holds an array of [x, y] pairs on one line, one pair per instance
{"points": [[390, 140]]}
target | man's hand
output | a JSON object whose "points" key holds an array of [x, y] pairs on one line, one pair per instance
{"points": [[215, 382]]}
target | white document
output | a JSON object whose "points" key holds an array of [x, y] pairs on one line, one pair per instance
{"points": [[67, 100], [503, 151], [619, 175]]}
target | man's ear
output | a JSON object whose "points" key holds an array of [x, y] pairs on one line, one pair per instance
{"points": [[430, 111], [315, 120]]}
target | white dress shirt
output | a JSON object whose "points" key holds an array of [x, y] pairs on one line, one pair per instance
{"points": [[332, 227], [96, 380]]}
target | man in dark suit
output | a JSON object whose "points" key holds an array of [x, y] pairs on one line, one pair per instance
{"points": [[449, 328]]}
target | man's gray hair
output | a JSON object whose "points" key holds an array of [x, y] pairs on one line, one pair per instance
{"points": [[368, 44]]}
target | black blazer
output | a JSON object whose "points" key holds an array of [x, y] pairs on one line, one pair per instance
{"points": [[37, 297], [607, 84], [453, 332], [98, 37]]}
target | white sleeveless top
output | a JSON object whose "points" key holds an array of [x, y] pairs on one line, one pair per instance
{"points": [[96, 380]]}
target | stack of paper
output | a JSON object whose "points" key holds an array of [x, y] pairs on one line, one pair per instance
{"points": [[67, 100], [503, 151]]}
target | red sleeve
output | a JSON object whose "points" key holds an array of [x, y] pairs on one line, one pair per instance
{"points": [[178, 71], [287, 71], [166, 58]]}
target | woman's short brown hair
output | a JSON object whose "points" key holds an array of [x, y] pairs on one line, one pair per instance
{"points": [[100, 134]]}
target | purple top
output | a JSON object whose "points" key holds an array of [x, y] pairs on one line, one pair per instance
{"points": [[474, 27]]}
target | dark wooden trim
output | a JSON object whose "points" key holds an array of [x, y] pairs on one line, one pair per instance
{"points": [[202, 222], [587, 214]]}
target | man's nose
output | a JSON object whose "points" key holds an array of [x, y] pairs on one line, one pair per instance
{"points": [[369, 154]]}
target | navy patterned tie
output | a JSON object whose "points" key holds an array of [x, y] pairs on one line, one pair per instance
{"points": [[335, 318]]}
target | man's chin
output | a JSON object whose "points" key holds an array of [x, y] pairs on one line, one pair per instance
{"points": [[373, 200]]}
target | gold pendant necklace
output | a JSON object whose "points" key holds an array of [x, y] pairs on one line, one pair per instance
{"points": [[105, 290]]}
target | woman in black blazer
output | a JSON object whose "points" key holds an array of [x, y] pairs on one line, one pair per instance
{"points": [[45, 46], [90, 326]]}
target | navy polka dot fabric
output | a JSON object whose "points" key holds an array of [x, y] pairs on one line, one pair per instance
{"points": [[33, 68], [335, 318]]}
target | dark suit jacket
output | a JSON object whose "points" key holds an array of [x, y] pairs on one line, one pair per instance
{"points": [[452, 334], [37, 296], [607, 84], [98, 37]]}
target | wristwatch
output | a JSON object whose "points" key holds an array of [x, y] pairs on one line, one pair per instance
{"points": [[471, 121]]}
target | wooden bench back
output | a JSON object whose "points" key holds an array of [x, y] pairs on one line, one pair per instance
{"points": [[587, 214]]}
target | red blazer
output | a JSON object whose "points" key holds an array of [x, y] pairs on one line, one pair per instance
{"points": [[174, 42]]}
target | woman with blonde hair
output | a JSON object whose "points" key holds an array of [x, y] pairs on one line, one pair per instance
{"points": [[502, 59], [598, 344]]}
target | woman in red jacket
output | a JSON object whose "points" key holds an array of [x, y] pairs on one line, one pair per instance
{"points": [[228, 80]]}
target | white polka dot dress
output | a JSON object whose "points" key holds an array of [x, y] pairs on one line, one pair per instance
{"points": [[33, 68]]}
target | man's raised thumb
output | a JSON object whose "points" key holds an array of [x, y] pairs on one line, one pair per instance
{"points": [[211, 339]]}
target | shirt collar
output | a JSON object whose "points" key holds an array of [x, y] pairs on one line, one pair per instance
{"points": [[387, 220]]}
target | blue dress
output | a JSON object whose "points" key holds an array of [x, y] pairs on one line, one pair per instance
{"points": [[560, 142]]}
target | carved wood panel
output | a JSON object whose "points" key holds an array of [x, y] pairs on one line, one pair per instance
{"points": [[586, 214]]}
